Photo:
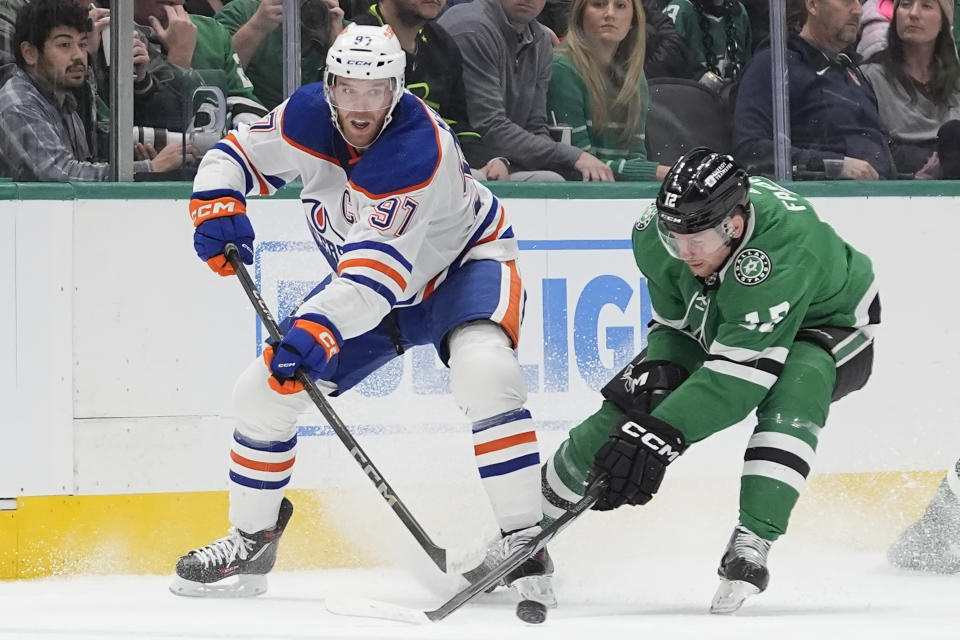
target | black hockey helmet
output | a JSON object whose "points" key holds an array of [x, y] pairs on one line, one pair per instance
{"points": [[701, 190]]}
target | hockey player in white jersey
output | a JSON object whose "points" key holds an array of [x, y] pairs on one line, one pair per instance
{"points": [[420, 254]]}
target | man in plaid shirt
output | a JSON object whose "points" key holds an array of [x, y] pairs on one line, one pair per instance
{"points": [[42, 136]]}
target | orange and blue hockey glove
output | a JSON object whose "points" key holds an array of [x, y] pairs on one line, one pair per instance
{"points": [[312, 344], [220, 218]]}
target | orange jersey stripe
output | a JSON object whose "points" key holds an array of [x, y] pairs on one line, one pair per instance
{"points": [[263, 184], [496, 232], [505, 443], [261, 466], [376, 266], [511, 318], [428, 290]]}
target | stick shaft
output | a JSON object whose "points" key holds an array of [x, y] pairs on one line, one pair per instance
{"points": [[436, 553]]}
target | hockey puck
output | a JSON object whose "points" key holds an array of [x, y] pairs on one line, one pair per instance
{"points": [[531, 611]]}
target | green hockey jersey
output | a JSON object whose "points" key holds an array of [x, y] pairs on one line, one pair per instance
{"points": [[791, 271]]}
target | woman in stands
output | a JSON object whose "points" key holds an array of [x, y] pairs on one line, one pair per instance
{"points": [[598, 87], [916, 79]]}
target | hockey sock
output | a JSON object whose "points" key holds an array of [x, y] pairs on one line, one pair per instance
{"points": [[776, 465], [565, 473], [259, 470], [508, 460]]}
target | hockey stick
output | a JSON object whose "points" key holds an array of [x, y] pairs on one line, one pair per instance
{"points": [[376, 609], [437, 554]]}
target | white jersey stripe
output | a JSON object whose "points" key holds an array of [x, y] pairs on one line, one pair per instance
{"points": [[774, 471], [504, 303], [743, 372], [740, 354], [675, 324], [862, 312], [784, 442], [555, 483]]}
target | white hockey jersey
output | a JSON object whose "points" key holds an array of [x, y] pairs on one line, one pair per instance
{"points": [[393, 222]]}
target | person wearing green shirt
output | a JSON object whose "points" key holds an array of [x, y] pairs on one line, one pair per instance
{"points": [[257, 35], [757, 305], [187, 52], [598, 88], [718, 34]]}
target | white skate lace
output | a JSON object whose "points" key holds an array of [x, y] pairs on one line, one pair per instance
{"points": [[500, 549], [225, 550], [750, 546]]}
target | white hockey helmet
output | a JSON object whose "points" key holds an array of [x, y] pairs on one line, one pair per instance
{"points": [[365, 52]]}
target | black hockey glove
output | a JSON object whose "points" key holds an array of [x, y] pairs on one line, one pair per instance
{"points": [[643, 384], [634, 459]]}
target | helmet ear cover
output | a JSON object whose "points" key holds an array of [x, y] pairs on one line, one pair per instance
{"points": [[700, 191]]}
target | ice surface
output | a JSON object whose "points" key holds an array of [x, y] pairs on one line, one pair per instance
{"points": [[633, 574], [608, 589]]}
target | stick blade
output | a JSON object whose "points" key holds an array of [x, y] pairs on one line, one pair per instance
{"points": [[363, 608]]}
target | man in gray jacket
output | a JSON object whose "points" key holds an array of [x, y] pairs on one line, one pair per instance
{"points": [[506, 70]]}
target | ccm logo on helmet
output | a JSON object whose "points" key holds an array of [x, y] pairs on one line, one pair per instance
{"points": [[650, 440], [359, 63]]}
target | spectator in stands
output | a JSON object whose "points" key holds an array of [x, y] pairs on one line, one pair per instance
{"points": [[186, 52], [506, 70], [207, 8], [93, 102], [835, 125], [555, 16], [598, 87], [917, 79], [257, 31], [434, 73], [759, 12], [90, 97], [876, 22], [665, 54], [41, 133], [718, 35]]}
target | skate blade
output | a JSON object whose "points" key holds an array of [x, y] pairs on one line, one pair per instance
{"points": [[245, 586], [730, 596], [363, 608], [536, 588]]}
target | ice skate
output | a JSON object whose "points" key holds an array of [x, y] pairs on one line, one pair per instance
{"points": [[532, 581], [743, 570], [933, 542], [248, 557]]}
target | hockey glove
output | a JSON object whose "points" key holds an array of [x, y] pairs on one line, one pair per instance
{"points": [[218, 223], [643, 384], [312, 344], [634, 459]]}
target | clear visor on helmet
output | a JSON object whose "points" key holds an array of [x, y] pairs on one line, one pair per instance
{"points": [[687, 246], [355, 94]]}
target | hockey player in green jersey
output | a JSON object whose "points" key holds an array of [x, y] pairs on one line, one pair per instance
{"points": [[757, 304]]}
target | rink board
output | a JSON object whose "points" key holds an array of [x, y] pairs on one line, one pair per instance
{"points": [[119, 380]]}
